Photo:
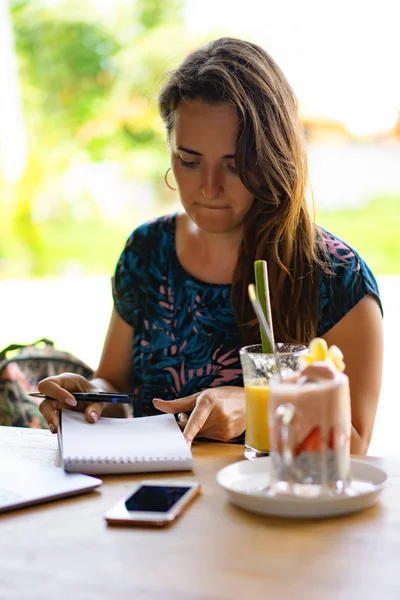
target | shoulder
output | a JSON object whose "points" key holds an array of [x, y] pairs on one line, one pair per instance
{"points": [[155, 232], [340, 260], [138, 264], [345, 279], [148, 243], [337, 255]]}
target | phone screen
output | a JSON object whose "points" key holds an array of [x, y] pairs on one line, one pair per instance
{"points": [[155, 498]]}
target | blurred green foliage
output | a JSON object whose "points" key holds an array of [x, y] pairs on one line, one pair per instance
{"points": [[89, 83]]}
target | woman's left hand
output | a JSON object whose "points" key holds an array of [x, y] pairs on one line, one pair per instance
{"points": [[217, 413]]}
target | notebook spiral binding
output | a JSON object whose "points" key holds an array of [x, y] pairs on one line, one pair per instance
{"points": [[91, 460]]}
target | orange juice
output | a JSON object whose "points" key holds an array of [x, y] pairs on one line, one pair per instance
{"points": [[257, 435]]}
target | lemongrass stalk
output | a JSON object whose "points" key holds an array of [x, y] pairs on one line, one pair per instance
{"points": [[262, 287]]}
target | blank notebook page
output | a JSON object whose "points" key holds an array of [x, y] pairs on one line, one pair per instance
{"points": [[141, 440]]}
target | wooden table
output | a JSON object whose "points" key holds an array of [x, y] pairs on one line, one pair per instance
{"points": [[64, 550]]}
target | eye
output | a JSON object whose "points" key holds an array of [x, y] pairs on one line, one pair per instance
{"points": [[232, 169], [187, 163]]}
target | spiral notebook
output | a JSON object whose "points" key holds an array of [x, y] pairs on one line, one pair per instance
{"points": [[145, 444]]}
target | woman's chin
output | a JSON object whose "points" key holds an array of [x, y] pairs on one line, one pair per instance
{"points": [[214, 220]]}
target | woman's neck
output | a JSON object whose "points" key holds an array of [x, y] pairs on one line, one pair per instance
{"points": [[211, 257], [216, 246]]}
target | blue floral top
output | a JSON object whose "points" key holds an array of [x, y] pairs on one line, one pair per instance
{"points": [[185, 335]]}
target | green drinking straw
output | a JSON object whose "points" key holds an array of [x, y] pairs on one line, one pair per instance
{"points": [[261, 275]]}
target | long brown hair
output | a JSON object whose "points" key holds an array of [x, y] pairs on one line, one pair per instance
{"points": [[271, 162]]}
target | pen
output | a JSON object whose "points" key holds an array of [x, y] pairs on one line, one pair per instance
{"points": [[92, 397]]}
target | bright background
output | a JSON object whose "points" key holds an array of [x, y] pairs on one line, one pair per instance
{"points": [[83, 152]]}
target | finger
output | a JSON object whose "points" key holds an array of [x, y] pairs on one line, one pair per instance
{"points": [[199, 416], [49, 413], [176, 406], [51, 387], [93, 411]]}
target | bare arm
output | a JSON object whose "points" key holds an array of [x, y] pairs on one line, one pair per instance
{"points": [[116, 359], [359, 335], [114, 371]]}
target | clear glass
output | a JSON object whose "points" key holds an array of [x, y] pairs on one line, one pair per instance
{"points": [[310, 428], [258, 368]]}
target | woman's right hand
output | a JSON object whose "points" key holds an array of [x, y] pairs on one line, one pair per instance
{"points": [[60, 387]]}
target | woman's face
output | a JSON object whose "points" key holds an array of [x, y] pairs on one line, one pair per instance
{"points": [[203, 144]]}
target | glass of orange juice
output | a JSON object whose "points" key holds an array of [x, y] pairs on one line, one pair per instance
{"points": [[258, 368]]}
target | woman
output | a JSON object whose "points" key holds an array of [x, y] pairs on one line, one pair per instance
{"points": [[181, 310]]}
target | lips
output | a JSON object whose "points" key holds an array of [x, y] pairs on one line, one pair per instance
{"points": [[212, 207]]}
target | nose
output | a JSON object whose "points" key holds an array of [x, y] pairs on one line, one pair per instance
{"points": [[212, 184]]}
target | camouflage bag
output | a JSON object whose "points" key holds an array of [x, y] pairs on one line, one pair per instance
{"points": [[21, 369]]}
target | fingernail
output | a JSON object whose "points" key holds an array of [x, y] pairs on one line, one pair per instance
{"points": [[52, 428], [94, 416], [189, 443], [70, 401]]}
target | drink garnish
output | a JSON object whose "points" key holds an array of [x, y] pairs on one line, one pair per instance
{"points": [[318, 351]]}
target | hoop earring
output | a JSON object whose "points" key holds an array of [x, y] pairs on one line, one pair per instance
{"points": [[166, 180]]}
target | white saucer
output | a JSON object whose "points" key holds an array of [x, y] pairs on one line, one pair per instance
{"points": [[245, 483]]}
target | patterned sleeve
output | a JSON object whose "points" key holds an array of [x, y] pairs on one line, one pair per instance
{"points": [[130, 279], [346, 279]]}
